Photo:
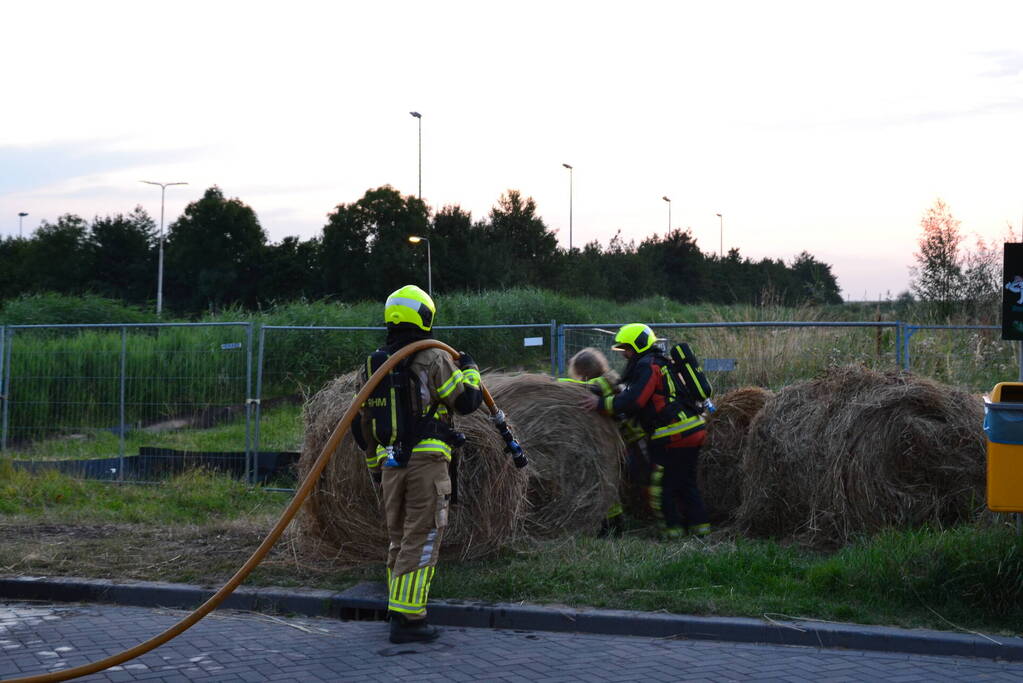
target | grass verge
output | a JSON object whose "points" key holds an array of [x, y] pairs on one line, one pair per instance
{"points": [[199, 528]]}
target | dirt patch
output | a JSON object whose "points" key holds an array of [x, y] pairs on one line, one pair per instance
{"points": [[199, 554]]}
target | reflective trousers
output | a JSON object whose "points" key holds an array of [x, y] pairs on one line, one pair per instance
{"points": [[678, 485], [416, 507]]}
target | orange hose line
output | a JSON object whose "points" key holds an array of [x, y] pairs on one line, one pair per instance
{"points": [[296, 503]]}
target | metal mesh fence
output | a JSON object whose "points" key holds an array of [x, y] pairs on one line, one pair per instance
{"points": [[123, 402], [769, 354]]}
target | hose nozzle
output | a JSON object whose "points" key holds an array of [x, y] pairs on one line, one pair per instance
{"points": [[510, 444]]}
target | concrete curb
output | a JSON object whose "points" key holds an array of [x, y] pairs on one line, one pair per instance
{"points": [[368, 601]]}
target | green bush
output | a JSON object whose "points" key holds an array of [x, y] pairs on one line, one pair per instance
{"points": [[58, 309]]}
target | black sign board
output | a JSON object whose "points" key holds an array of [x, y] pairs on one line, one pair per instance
{"points": [[1012, 293]]}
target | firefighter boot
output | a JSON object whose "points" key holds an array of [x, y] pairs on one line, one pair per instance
{"points": [[405, 630]]}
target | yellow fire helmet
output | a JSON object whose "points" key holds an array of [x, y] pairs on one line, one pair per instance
{"points": [[635, 336], [410, 305]]}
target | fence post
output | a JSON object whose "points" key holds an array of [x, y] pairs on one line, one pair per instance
{"points": [[124, 380], [259, 386], [898, 344], [554, 348], [250, 457], [905, 353], [8, 344], [561, 351]]}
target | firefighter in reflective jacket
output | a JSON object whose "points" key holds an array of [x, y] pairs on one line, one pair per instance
{"points": [[674, 427], [416, 493], [589, 368]]}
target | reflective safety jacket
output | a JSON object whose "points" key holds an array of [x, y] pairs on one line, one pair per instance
{"points": [[441, 388], [607, 384], [653, 396]]}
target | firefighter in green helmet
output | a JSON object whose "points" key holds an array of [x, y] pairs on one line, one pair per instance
{"points": [[408, 435], [675, 429]]}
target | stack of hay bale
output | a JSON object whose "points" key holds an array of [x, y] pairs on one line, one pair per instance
{"points": [[856, 451], [720, 472], [852, 451], [569, 485]]}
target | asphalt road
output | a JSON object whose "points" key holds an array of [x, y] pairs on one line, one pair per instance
{"points": [[246, 646]]}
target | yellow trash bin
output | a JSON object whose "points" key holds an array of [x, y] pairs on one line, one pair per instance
{"points": [[1003, 427]]}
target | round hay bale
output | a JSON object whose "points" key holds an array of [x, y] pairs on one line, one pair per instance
{"points": [[575, 456], [720, 476], [344, 515], [854, 451]]}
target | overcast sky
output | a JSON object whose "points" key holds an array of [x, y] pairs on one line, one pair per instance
{"points": [[823, 126]]}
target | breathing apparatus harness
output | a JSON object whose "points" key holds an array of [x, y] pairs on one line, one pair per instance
{"points": [[687, 389], [398, 425], [394, 420]]}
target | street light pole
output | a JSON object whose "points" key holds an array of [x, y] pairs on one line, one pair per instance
{"points": [[21, 216], [416, 239], [669, 212], [720, 246], [569, 167], [159, 268], [419, 117]]}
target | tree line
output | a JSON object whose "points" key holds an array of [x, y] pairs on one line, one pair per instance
{"points": [[217, 254]]}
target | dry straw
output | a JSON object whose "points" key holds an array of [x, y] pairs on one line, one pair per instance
{"points": [[575, 455], [344, 516], [571, 481], [720, 476], [855, 451]]}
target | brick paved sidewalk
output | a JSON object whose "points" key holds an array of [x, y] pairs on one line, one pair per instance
{"points": [[245, 646]]}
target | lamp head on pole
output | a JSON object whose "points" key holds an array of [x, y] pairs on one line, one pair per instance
{"points": [[416, 239], [22, 214], [416, 114], [150, 182], [666, 199], [568, 166], [718, 215]]}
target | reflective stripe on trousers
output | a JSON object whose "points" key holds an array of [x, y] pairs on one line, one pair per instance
{"points": [[409, 592]]}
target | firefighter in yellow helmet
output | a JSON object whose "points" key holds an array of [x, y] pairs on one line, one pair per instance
{"points": [[675, 429], [589, 368], [408, 433]]}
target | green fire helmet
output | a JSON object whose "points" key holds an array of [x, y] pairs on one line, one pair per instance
{"points": [[635, 336], [410, 305]]}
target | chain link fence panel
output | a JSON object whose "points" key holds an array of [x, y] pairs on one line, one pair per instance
{"points": [[127, 401]]}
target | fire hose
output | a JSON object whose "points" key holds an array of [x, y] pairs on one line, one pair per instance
{"points": [[301, 495]]}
